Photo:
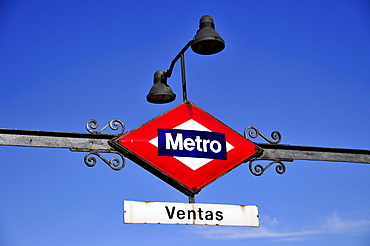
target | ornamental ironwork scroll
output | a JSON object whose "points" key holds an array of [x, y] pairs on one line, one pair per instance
{"points": [[114, 163], [258, 169], [253, 132], [114, 124]]}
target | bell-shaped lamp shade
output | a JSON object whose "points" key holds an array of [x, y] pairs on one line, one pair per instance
{"points": [[160, 91], [207, 41]]}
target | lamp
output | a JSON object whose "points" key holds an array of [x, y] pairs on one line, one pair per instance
{"points": [[160, 91], [206, 42]]}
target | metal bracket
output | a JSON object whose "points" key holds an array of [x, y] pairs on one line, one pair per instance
{"points": [[253, 132], [90, 159], [277, 153], [258, 169], [114, 124], [114, 163]]}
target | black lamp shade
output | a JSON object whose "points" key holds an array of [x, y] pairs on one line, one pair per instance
{"points": [[207, 41], [160, 93]]}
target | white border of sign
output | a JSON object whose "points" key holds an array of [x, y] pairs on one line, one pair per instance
{"points": [[190, 213]]}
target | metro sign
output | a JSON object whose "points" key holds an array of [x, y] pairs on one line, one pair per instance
{"points": [[186, 147]]}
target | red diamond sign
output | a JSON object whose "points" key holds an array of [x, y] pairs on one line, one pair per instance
{"points": [[186, 147]]}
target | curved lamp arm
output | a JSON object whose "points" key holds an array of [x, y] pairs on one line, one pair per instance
{"points": [[168, 73]]}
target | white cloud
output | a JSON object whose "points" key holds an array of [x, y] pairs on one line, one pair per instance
{"points": [[271, 229], [336, 224]]}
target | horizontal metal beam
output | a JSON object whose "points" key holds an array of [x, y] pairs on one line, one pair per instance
{"points": [[88, 142], [292, 152], [47, 139]]}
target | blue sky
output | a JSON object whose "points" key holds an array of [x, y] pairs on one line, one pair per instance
{"points": [[299, 67]]}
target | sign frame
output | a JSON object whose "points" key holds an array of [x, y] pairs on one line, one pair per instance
{"points": [[163, 175]]}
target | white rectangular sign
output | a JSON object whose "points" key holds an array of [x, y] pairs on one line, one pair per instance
{"points": [[190, 213]]}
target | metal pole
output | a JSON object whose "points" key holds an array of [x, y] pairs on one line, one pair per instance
{"points": [[95, 142], [48, 139], [168, 73], [177, 57], [183, 79], [294, 152], [192, 199]]}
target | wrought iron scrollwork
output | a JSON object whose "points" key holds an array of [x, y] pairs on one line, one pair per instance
{"points": [[258, 169], [114, 124], [253, 132], [90, 158], [114, 163]]}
